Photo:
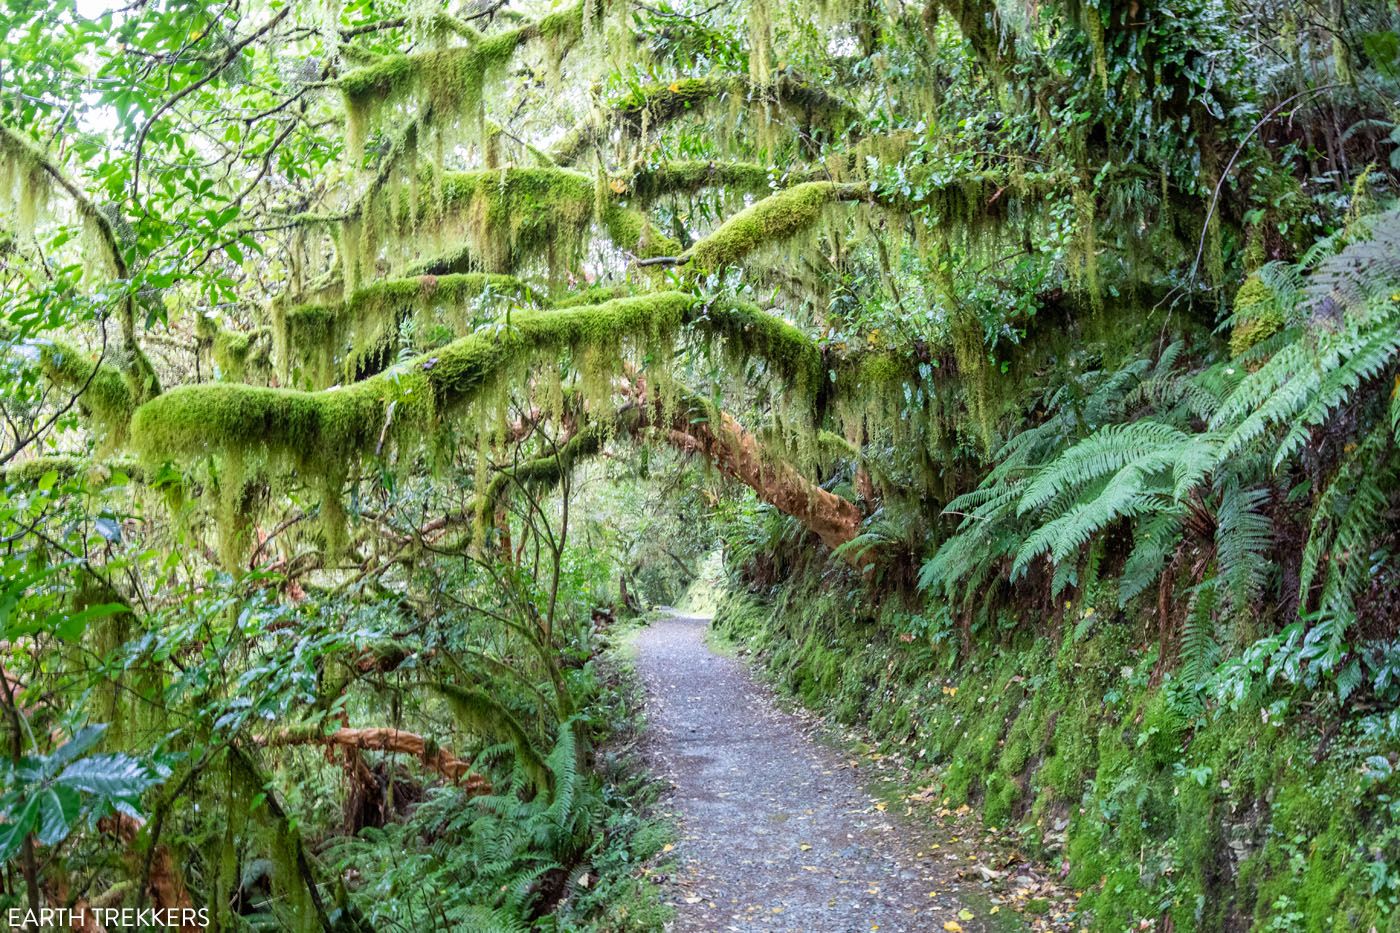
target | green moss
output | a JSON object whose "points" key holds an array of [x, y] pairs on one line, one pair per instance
{"points": [[65, 466], [451, 80], [1256, 318], [242, 356], [319, 434], [769, 221], [106, 394], [631, 230], [506, 216], [752, 333], [687, 177]]}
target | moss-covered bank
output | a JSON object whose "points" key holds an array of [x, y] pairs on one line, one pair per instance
{"points": [[1258, 817]]}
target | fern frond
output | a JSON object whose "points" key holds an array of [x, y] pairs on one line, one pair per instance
{"points": [[1144, 444], [1155, 538], [1362, 364], [1243, 536]]}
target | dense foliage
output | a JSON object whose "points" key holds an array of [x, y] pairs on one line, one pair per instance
{"points": [[365, 363]]}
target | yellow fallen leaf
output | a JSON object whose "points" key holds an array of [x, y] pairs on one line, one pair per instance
{"points": [[804, 846], [881, 806], [965, 914], [995, 910], [952, 926], [668, 847]]}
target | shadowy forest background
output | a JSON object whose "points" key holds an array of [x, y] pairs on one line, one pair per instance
{"points": [[367, 364]]}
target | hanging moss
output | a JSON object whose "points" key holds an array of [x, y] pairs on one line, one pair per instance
{"points": [[643, 109], [760, 34], [24, 185], [65, 466], [754, 334], [243, 356], [495, 220], [106, 394], [515, 214], [450, 82], [361, 330], [318, 434]]}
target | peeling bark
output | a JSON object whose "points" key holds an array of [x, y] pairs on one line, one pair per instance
{"points": [[737, 454], [436, 759]]}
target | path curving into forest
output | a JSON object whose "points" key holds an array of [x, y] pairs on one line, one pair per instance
{"points": [[777, 831]]}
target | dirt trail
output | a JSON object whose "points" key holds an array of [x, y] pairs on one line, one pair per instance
{"points": [[778, 833]]}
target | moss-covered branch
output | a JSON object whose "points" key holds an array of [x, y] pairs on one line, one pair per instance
{"points": [[689, 176], [65, 466], [498, 219], [774, 219], [320, 432]]}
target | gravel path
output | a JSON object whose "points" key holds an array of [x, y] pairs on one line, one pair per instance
{"points": [[777, 831]]}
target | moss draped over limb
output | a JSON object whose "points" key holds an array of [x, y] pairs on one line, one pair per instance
{"points": [[974, 198], [321, 435], [689, 176], [68, 465], [652, 105], [451, 79], [318, 430], [773, 219], [104, 392], [322, 431]]}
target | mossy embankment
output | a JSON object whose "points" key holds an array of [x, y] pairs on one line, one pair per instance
{"points": [[1256, 816]]}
